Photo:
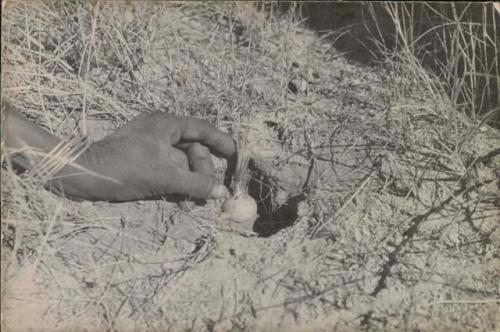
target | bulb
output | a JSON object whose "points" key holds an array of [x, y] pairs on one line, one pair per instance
{"points": [[241, 208]]}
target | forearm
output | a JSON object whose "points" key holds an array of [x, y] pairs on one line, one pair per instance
{"points": [[26, 144]]}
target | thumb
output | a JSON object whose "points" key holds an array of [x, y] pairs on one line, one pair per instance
{"points": [[197, 185]]}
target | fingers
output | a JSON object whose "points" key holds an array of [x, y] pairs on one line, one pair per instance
{"points": [[200, 160], [178, 158], [197, 185], [195, 130], [219, 191]]}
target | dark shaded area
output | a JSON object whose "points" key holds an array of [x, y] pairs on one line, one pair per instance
{"points": [[359, 29], [345, 19], [271, 219], [283, 217], [261, 187]]}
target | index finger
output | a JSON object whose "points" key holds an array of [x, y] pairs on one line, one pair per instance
{"points": [[195, 130]]}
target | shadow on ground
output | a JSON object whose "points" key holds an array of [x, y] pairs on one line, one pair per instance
{"points": [[352, 27]]}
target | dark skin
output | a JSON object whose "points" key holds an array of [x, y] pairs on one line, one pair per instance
{"points": [[153, 156]]}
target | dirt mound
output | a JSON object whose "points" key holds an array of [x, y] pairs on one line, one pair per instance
{"points": [[378, 203]]}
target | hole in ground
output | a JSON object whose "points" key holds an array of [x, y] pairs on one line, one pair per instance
{"points": [[271, 219]]}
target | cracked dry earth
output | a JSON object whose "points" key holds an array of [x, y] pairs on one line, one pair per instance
{"points": [[367, 221]]}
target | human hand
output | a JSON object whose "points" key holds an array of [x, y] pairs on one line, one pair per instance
{"points": [[156, 155], [152, 156]]}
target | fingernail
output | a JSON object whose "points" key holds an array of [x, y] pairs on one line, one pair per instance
{"points": [[219, 191]]}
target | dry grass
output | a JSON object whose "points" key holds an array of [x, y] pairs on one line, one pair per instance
{"points": [[458, 43], [393, 182]]}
